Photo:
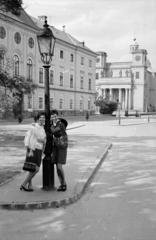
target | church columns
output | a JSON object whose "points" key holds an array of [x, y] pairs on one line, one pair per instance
{"points": [[122, 94], [111, 94], [126, 98]]}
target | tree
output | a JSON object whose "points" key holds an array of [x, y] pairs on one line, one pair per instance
{"points": [[12, 91], [106, 105], [13, 6]]}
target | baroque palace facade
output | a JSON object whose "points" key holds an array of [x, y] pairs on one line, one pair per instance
{"points": [[130, 83], [72, 72]]}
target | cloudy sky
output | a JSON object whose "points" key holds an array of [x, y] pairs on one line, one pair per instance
{"points": [[104, 25]]}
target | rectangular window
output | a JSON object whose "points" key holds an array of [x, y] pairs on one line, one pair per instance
{"points": [[89, 84], [16, 65], [137, 75], [71, 81], [61, 54], [97, 75], [41, 75], [29, 102], [97, 60], [51, 77], [1, 59], [90, 63], [71, 57], [61, 78], [120, 73], [61, 103], [40, 103], [82, 60], [81, 105], [81, 82], [51, 103], [89, 105], [71, 104]]}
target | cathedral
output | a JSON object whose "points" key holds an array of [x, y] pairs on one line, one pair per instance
{"points": [[131, 83]]}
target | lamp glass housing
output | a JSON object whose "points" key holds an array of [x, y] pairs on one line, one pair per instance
{"points": [[46, 43]]}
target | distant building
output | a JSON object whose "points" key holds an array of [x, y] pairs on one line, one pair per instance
{"points": [[72, 73], [131, 83]]}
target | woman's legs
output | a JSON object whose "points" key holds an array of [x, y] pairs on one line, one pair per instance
{"points": [[60, 174], [37, 153], [29, 177]]}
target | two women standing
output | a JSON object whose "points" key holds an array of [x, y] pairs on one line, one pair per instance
{"points": [[35, 141]]}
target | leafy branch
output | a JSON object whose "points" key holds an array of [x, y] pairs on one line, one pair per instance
{"points": [[13, 6]]}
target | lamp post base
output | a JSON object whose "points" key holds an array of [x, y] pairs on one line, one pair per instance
{"points": [[48, 174]]}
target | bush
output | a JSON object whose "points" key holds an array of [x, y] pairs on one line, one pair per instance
{"points": [[107, 106]]}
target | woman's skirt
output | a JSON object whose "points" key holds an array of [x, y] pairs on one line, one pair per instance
{"points": [[37, 153]]}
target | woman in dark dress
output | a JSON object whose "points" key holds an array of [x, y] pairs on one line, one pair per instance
{"points": [[60, 145]]}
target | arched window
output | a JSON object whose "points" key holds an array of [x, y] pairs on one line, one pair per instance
{"points": [[29, 69], [16, 65], [2, 32], [2, 56]]}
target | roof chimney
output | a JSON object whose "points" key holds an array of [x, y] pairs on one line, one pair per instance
{"points": [[64, 28]]}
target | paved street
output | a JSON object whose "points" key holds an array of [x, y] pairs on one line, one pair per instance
{"points": [[119, 204]]}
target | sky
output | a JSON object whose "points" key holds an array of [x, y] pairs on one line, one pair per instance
{"points": [[104, 25]]}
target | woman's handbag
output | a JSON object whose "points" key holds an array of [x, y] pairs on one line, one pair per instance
{"points": [[61, 142], [29, 164]]}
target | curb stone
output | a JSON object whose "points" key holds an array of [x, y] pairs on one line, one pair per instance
{"points": [[56, 203]]}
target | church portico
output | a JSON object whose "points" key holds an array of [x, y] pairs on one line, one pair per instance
{"points": [[131, 83], [123, 94]]}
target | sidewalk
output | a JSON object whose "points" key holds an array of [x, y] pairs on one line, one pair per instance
{"points": [[82, 164], [89, 143]]}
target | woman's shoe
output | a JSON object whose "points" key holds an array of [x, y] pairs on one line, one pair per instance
{"points": [[25, 189], [31, 188], [62, 188]]}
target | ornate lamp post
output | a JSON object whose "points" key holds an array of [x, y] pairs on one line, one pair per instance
{"points": [[46, 43]]}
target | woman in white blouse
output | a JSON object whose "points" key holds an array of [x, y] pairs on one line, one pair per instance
{"points": [[34, 141]]}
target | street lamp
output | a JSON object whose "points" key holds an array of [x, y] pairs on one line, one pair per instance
{"points": [[46, 43], [119, 113]]}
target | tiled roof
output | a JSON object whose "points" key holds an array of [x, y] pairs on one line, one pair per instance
{"points": [[63, 35], [34, 23], [23, 18]]}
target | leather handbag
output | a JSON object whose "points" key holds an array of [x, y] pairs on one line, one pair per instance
{"points": [[29, 164]]}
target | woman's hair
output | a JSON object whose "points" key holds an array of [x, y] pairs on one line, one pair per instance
{"points": [[39, 115], [54, 111]]}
